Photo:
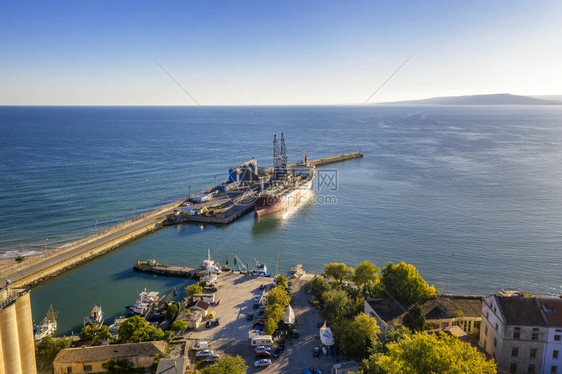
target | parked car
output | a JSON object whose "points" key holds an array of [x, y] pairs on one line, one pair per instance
{"points": [[205, 353], [262, 348], [261, 320], [218, 301], [257, 298], [217, 321], [250, 317], [258, 323], [213, 358], [262, 286], [211, 288], [316, 352], [209, 323], [278, 351], [212, 314], [201, 346], [295, 333], [263, 354], [262, 363], [256, 305]]}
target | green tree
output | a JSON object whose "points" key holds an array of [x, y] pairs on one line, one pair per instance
{"points": [[136, 329], [48, 348], [337, 305], [414, 319], [178, 326], [281, 281], [95, 333], [366, 277], [403, 282], [115, 366], [270, 326], [339, 271], [317, 286], [193, 289], [227, 365], [278, 296], [359, 335], [173, 310], [423, 353]]}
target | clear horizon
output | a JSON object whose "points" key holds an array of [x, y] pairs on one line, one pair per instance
{"points": [[279, 53]]}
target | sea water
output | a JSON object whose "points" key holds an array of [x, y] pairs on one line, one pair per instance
{"points": [[468, 194]]}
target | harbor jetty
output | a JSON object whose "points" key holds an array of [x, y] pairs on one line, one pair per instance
{"points": [[238, 202], [153, 267]]}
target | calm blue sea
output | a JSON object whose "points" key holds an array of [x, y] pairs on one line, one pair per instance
{"points": [[470, 195]]}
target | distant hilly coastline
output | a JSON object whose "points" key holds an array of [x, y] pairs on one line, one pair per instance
{"points": [[495, 99]]}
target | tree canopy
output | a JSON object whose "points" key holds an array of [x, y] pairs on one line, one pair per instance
{"points": [[337, 305], [278, 296], [227, 365], [193, 289], [359, 335], [281, 280], [48, 348], [414, 319], [366, 276], [403, 282], [431, 353], [137, 329], [339, 271]]}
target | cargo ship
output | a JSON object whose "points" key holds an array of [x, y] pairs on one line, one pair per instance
{"points": [[287, 187]]}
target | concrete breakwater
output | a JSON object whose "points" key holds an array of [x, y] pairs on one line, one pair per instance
{"points": [[34, 270]]}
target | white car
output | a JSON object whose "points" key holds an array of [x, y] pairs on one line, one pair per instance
{"points": [[263, 348], [213, 358], [205, 353], [257, 298], [262, 363]]}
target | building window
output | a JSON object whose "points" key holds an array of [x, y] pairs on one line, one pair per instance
{"points": [[535, 335], [484, 345], [496, 327], [87, 368], [533, 353], [514, 352], [495, 342], [557, 338], [553, 369], [531, 368], [455, 323], [487, 314], [69, 369], [476, 324], [555, 354], [486, 330], [517, 333], [513, 368]]}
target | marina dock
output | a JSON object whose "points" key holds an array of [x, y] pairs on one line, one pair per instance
{"points": [[34, 270], [168, 270]]}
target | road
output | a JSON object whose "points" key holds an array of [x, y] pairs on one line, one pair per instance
{"points": [[25, 273]]}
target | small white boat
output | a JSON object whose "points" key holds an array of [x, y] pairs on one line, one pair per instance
{"points": [[260, 270], [114, 327], [48, 326], [96, 317], [146, 301]]}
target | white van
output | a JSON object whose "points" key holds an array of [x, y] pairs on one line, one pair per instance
{"points": [[201, 346], [262, 340]]}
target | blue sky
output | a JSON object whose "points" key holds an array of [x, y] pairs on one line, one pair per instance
{"points": [[274, 52]]}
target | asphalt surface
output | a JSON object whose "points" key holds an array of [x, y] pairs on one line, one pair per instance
{"points": [[231, 336]]}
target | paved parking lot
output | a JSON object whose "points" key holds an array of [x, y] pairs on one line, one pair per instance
{"points": [[231, 336]]}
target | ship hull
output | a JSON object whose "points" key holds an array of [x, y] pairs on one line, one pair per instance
{"points": [[269, 204]]}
